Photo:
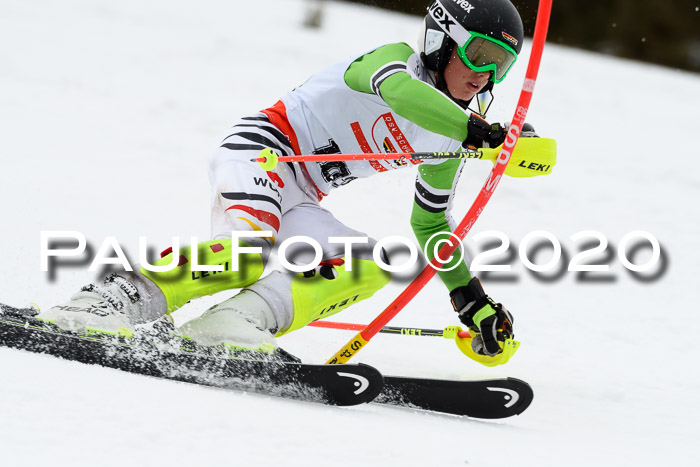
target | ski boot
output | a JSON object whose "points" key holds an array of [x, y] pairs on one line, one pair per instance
{"points": [[112, 307], [240, 327]]}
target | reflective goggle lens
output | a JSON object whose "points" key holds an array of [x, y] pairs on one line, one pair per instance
{"points": [[483, 54]]}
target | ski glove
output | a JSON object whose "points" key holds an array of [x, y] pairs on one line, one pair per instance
{"points": [[489, 322], [527, 131], [481, 134], [326, 269]]}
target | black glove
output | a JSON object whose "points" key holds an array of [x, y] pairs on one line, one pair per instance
{"points": [[482, 134], [326, 269], [488, 321], [527, 131]]}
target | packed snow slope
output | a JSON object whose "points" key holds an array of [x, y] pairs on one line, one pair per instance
{"points": [[109, 112]]}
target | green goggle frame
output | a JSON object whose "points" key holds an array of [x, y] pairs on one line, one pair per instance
{"points": [[483, 53]]}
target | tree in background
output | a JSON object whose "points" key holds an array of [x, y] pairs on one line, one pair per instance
{"points": [[663, 32], [314, 13]]}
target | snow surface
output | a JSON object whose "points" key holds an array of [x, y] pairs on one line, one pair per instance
{"points": [[109, 112]]}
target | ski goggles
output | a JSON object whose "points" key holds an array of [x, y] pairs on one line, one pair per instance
{"points": [[482, 53]]}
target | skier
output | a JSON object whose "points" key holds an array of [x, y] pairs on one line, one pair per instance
{"points": [[391, 99]]}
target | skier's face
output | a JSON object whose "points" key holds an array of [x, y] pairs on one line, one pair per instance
{"points": [[463, 82]]}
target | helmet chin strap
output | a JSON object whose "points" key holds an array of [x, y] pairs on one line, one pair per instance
{"points": [[441, 84]]}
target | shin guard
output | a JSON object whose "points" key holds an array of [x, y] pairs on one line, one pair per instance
{"points": [[318, 297]]}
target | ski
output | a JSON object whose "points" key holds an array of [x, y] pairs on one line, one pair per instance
{"points": [[180, 359], [487, 399], [328, 384]]}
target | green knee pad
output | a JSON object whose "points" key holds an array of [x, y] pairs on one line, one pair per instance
{"points": [[317, 297], [181, 284]]}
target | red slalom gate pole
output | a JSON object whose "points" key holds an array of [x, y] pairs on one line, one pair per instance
{"points": [[363, 337]]}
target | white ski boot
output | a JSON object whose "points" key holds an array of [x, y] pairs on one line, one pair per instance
{"points": [[242, 323], [113, 307]]}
